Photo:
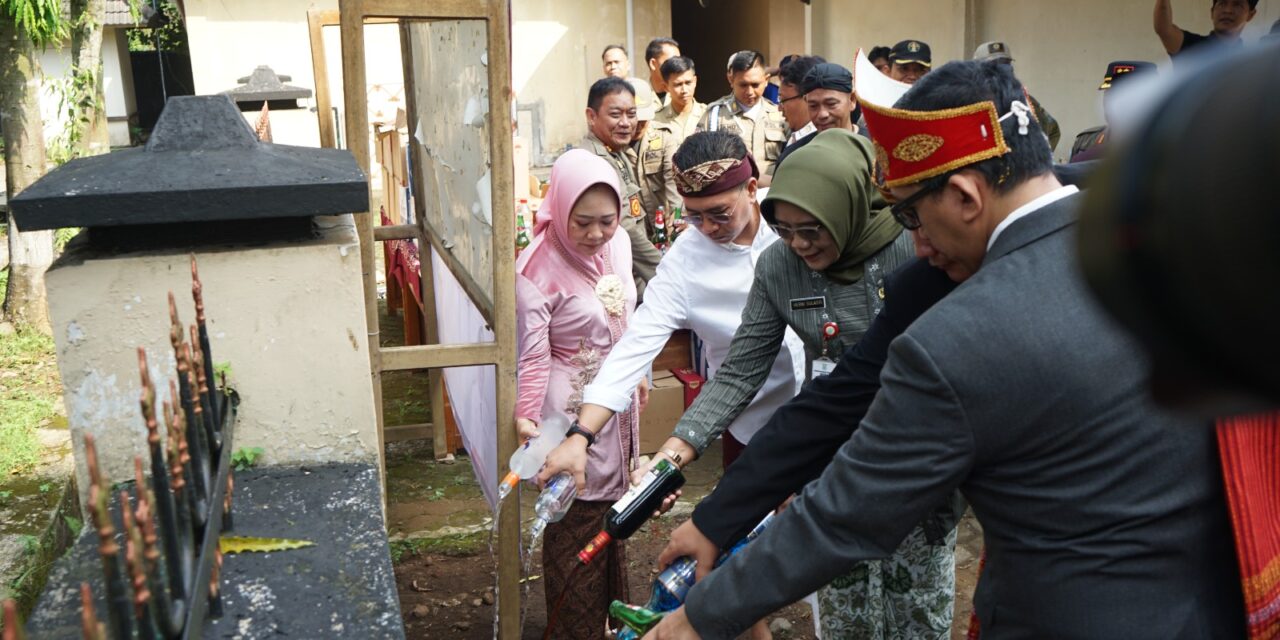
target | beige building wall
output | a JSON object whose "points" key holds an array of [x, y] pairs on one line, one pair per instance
{"points": [[556, 46], [556, 54], [840, 27], [1061, 48]]}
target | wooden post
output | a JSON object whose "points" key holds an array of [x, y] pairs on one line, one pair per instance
{"points": [[317, 19], [497, 306], [357, 120]]}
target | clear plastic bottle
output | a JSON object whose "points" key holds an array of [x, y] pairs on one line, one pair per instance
{"points": [[528, 458], [552, 504]]}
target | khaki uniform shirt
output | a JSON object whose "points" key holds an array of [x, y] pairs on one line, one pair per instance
{"points": [[764, 138], [681, 126], [652, 157], [644, 256]]}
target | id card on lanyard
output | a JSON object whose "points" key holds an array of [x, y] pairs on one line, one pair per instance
{"points": [[824, 365]]}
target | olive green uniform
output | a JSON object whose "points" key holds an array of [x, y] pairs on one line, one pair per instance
{"points": [[1047, 123], [644, 256], [765, 138]]}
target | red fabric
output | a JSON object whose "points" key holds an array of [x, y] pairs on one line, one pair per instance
{"points": [[912, 146], [974, 630], [1250, 450], [730, 448]]}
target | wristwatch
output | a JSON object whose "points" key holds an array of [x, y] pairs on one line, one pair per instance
{"points": [[586, 435]]}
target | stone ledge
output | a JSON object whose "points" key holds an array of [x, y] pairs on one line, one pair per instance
{"points": [[341, 587]]}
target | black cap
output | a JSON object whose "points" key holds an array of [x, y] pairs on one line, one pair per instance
{"points": [[909, 51], [1120, 70], [828, 75]]}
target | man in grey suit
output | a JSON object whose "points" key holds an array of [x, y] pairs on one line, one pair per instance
{"points": [[1103, 516]]}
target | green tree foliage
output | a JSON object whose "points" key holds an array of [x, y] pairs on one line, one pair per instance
{"points": [[40, 20]]}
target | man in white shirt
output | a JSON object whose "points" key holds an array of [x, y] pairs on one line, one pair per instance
{"points": [[702, 284]]}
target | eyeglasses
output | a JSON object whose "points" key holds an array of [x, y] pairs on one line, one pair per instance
{"points": [[696, 219], [905, 212], [795, 97], [809, 233]]}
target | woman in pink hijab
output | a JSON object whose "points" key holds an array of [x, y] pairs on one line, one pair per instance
{"points": [[574, 297]]}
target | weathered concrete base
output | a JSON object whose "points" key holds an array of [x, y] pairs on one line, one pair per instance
{"points": [[288, 315], [342, 587]]}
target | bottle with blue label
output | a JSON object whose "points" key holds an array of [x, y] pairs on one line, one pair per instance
{"points": [[669, 590]]}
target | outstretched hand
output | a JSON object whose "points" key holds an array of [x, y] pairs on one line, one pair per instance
{"points": [[674, 626], [687, 540]]}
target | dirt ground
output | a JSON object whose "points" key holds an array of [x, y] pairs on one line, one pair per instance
{"points": [[451, 595]]}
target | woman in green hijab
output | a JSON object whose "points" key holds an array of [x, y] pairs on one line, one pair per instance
{"points": [[824, 281]]}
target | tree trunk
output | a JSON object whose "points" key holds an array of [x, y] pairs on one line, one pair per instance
{"points": [[87, 17], [30, 253]]}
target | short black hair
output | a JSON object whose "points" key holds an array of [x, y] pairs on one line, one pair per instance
{"points": [[605, 87], [708, 146], [795, 69], [962, 83], [879, 52], [655, 47], [675, 66], [610, 47], [1253, 4], [745, 60]]}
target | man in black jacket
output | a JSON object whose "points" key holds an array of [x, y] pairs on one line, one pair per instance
{"points": [[1103, 515], [785, 458]]}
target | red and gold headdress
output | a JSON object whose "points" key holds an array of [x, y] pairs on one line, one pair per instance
{"points": [[912, 146]]}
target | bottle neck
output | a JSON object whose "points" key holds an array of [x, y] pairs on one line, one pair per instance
{"points": [[593, 548]]}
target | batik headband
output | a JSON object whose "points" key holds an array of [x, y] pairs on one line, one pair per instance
{"points": [[716, 176]]}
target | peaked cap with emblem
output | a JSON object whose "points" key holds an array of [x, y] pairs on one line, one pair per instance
{"points": [[994, 50]]}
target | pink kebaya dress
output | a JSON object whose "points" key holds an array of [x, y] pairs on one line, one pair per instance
{"points": [[571, 309]]}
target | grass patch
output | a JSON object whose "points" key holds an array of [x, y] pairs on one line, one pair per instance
{"points": [[463, 545], [29, 389]]}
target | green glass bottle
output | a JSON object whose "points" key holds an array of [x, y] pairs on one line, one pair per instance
{"points": [[636, 621], [522, 234], [660, 229]]}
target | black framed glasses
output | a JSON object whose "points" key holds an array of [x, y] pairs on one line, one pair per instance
{"points": [[905, 212], [809, 233]]}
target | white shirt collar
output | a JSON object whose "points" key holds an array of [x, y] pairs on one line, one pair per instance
{"points": [[1030, 208], [755, 111], [802, 132]]}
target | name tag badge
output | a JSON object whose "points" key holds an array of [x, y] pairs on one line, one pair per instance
{"points": [[636, 212], [806, 304], [822, 367]]}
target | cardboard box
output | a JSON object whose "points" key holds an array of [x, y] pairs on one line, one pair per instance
{"points": [[666, 405], [670, 394]]}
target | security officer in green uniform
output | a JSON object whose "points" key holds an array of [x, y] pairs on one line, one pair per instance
{"points": [[745, 112], [1091, 143], [999, 52], [651, 154], [611, 126]]}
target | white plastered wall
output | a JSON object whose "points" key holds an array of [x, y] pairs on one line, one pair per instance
{"points": [[288, 317]]}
